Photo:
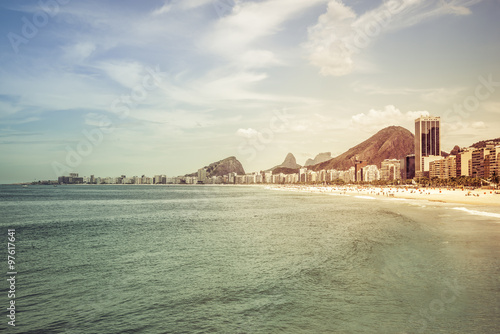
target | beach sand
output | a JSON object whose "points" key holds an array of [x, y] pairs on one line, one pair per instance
{"points": [[459, 196]]}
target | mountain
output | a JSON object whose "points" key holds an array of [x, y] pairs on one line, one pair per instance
{"points": [[455, 150], [319, 159], [482, 143], [391, 142], [289, 162], [223, 167]]}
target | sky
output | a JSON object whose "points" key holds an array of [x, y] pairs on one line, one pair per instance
{"points": [[152, 87]]}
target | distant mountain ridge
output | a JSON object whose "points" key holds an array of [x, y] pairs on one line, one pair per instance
{"points": [[319, 159], [391, 142]]}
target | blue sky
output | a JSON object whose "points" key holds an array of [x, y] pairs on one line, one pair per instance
{"points": [[166, 87]]}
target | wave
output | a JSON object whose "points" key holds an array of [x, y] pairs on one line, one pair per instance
{"points": [[479, 213], [365, 197]]}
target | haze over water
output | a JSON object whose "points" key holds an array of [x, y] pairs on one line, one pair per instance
{"points": [[198, 259]]}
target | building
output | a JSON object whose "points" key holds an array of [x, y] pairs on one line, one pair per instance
{"points": [[370, 173], [451, 166], [202, 175], [303, 175], [358, 165], [427, 142], [73, 178], [390, 169], [437, 169], [426, 165], [348, 175], [407, 166], [480, 169], [464, 162], [495, 161]]}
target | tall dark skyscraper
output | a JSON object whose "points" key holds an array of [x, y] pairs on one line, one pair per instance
{"points": [[427, 141]]}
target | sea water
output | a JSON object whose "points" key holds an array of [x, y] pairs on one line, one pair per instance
{"points": [[231, 259]]}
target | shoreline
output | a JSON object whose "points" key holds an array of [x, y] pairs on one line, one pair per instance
{"points": [[477, 197]]}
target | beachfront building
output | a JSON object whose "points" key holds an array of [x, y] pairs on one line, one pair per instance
{"points": [[407, 166], [73, 178], [480, 163], [322, 175], [348, 175], [160, 179], [495, 161], [464, 162], [445, 168], [426, 164], [451, 166], [371, 173], [358, 166], [303, 175], [366, 173], [202, 175], [390, 169], [436, 169], [427, 143], [190, 180], [332, 175]]}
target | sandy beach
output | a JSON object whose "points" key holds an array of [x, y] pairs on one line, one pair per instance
{"points": [[444, 195]]}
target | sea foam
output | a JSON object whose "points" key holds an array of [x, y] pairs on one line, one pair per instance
{"points": [[365, 197], [479, 213]]}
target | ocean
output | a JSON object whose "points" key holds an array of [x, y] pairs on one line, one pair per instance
{"points": [[245, 259]]}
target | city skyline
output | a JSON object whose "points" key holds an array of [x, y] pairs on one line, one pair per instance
{"points": [[169, 86], [427, 161]]}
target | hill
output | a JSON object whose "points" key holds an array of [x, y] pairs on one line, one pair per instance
{"points": [[391, 142], [289, 162], [223, 167], [482, 143]]}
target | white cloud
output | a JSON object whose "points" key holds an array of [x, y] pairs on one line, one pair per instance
{"points": [[167, 7], [170, 5], [79, 52], [478, 125], [247, 133], [326, 45], [234, 34], [128, 74], [375, 120], [258, 59], [340, 34], [191, 4]]}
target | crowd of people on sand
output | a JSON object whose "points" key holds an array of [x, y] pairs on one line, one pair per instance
{"points": [[403, 191]]}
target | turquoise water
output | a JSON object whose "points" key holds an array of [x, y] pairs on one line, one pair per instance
{"points": [[196, 259]]}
